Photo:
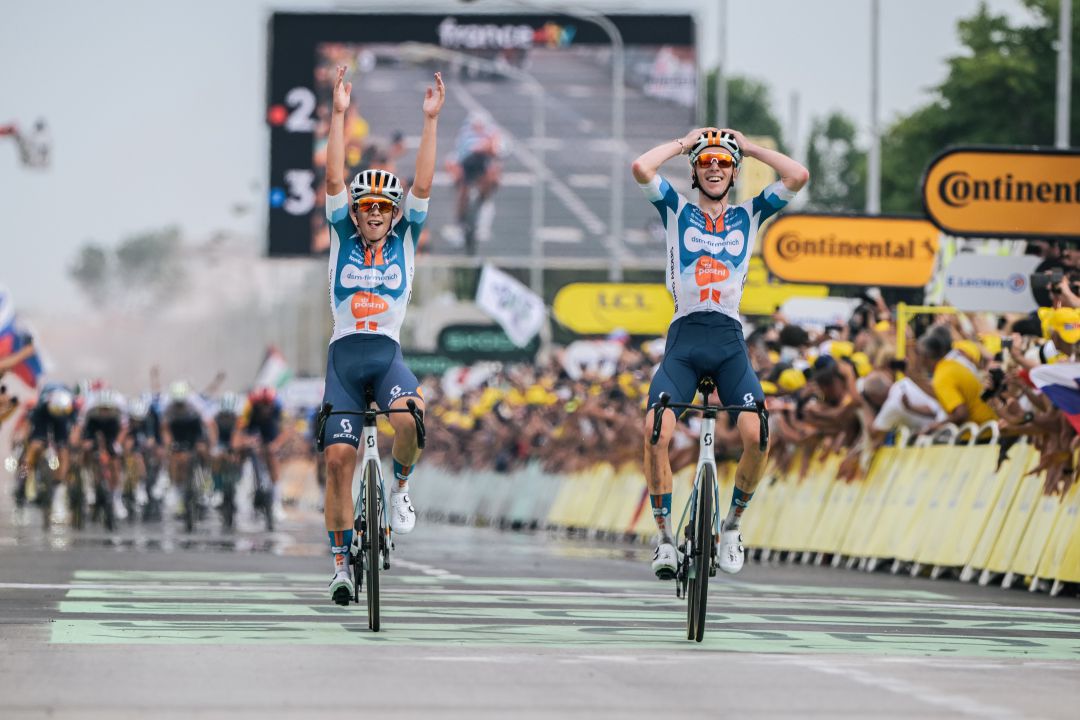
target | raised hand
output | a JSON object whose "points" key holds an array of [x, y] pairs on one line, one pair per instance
{"points": [[342, 91], [434, 98]]}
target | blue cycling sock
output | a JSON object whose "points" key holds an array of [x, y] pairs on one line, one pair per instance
{"points": [[661, 512], [739, 501], [340, 544], [401, 474]]}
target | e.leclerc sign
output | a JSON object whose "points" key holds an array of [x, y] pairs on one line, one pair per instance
{"points": [[1004, 192]]}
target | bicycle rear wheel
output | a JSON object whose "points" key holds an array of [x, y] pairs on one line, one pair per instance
{"points": [[701, 556], [373, 536]]}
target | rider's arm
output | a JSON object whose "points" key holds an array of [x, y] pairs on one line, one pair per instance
{"points": [[10, 361], [335, 142], [792, 174], [647, 165], [425, 156]]}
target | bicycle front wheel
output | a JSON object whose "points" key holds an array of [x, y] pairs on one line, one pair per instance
{"points": [[702, 544], [373, 533]]}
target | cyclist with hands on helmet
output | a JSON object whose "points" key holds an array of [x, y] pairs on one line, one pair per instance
{"points": [[708, 253], [374, 228]]}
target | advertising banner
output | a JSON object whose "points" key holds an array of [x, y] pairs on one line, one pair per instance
{"points": [[851, 249], [1004, 192], [819, 312], [599, 308], [991, 283], [471, 343]]}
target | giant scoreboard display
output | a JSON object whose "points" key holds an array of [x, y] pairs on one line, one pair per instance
{"points": [[525, 138]]}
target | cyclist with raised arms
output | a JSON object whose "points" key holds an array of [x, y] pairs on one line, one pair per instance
{"points": [[374, 228], [708, 253]]}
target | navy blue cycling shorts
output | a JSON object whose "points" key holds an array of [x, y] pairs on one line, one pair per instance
{"points": [[706, 344], [361, 366]]}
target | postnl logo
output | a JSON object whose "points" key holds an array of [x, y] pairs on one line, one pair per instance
{"points": [[731, 242], [709, 270], [365, 304], [354, 277]]}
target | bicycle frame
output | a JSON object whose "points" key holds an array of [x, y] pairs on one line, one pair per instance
{"points": [[369, 440], [706, 457]]}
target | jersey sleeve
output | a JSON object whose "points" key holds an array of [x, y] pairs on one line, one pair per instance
{"points": [[337, 212], [413, 216], [663, 197], [771, 200], [947, 389]]}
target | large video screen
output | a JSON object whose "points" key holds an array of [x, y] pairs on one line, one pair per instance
{"points": [[527, 159]]}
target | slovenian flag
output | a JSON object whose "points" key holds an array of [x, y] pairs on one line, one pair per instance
{"points": [[1061, 383], [12, 340]]}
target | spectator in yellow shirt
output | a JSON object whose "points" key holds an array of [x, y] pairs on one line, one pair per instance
{"points": [[955, 379]]}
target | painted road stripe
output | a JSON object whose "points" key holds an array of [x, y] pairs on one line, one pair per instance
{"points": [[151, 632], [603, 615]]}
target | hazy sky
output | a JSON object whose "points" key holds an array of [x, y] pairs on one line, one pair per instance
{"points": [[157, 109]]}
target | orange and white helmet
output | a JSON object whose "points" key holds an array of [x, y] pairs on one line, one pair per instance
{"points": [[379, 183], [717, 138]]}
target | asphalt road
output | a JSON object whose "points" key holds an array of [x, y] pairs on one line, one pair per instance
{"points": [[482, 623]]}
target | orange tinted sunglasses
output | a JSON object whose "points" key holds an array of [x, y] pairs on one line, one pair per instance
{"points": [[385, 206], [724, 160]]}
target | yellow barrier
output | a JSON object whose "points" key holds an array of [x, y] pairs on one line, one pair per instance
{"points": [[1026, 560], [932, 505], [1053, 554]]}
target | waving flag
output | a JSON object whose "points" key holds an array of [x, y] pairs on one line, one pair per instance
{"points": [[1061, 383], [13, 340], [274, 371]]}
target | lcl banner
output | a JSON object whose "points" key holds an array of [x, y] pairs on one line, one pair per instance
{"points": [[991, 283], [851, 249], [1004, 192]]}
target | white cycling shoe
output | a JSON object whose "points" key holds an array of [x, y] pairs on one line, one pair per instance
{"points": [[402, 514], [731, 551], [341, 588], [665, 561]]}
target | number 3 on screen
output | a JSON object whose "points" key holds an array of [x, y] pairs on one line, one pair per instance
{"points": [[301, 197]]}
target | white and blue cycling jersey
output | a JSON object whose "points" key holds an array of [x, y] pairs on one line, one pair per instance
{"points": [[370, 290], [708, 257]]}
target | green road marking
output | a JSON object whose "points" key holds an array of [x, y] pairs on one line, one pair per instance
{"points": [[491, 634], [627, 615], [319, 580], [989, 615]]}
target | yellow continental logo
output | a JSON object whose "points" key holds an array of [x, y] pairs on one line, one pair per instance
{"points": [[1004, 192], [594, 308], [851, 249]]}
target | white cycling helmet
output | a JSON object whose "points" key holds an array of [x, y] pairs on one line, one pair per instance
{"points": [[379, 183], [139, 408], [179, 391], [717, 138], [230, 403], [61, 403]]}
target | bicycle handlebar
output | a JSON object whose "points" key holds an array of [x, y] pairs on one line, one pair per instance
{"points": [[417, 415], [664, 403]]}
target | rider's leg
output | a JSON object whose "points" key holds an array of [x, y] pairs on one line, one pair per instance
{"points": [[750, 469], [338, 509], [658, 472], [405, 450]]}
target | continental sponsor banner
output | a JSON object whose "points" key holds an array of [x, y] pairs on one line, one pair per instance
{"points": [[1004, 192], [991, 283], [599, 308], [851, 249], [471, 343]]}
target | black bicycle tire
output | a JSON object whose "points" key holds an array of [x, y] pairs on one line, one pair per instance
{"points": [[704, 532], [374, 539], [190, 496]]}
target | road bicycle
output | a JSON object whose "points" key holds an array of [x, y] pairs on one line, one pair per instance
{"points": [[372, 541], [698, 551]]}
